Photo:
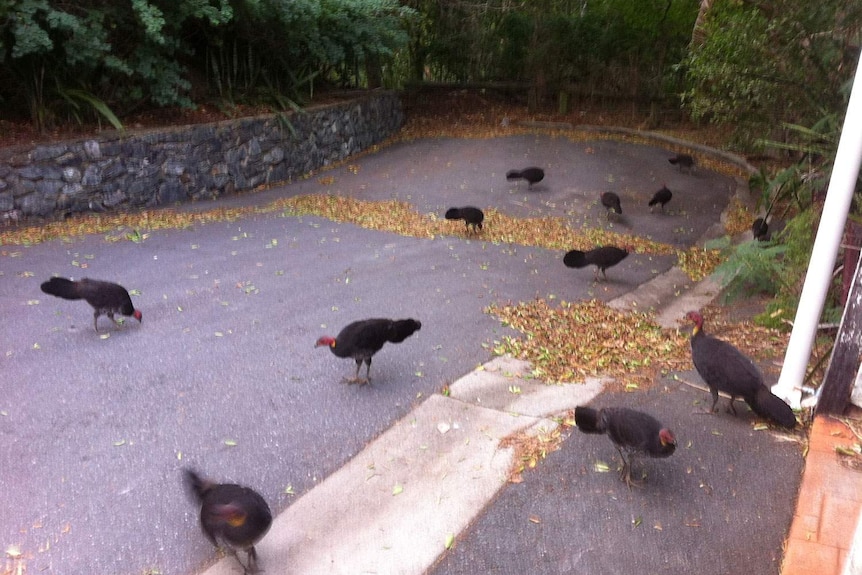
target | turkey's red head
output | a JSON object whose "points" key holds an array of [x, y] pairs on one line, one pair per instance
{"points": [[696, 319], [325, 340], [138, 315], [666, 437]]}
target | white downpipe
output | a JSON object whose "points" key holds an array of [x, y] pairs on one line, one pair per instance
{"points": [[826, 244]]}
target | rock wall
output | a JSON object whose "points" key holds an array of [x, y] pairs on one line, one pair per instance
{"points": [[152, 168]]}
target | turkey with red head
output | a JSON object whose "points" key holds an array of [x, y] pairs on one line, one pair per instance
{"points": [[360, 340], [106, 298], [633, 432], [724, 368]]}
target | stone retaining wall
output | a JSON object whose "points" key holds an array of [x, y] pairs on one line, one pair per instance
{"points": [[190, 162]]}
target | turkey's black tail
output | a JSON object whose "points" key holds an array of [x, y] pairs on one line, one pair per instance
{"points": [[587, 420], [61, 287], [453, 214], [403, 328], [196, 485], [769, 406], [575, 259]]}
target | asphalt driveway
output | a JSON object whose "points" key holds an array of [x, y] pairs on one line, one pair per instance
{"points": [[721, 504], [222, 374]]}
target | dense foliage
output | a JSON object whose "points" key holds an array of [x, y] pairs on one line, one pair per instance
{"points": [[61, 61], [757, 65], [609, 47], [790, 199], [778, 72]]}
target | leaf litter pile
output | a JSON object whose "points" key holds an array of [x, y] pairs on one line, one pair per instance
{"points": [[391, 216], [531, 448], [547, 232], [572, 341], [131, 226]]}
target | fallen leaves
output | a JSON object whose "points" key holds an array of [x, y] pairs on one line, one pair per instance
{"points": [[531, 447], [573, 340], [547, 232], [738, 218], [697, 262], [119, 226], [570, 341], [393, 216]]}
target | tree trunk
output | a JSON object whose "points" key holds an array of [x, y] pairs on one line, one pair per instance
{"points": [[852, 242], [373, 71], [698, 35], [844, 363]]}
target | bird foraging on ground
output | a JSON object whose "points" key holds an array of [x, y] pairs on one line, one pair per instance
{"points": [[360, 340], [724, 368], [531, 174], [602, 257], [611, 202], [661, 197], [760, 230], [683, 162], [232, 516], [471, 216], [633, 432], [106, 298]]}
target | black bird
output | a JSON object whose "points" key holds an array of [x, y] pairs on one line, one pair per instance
{"points": [[531, 174], [725, 368], [362, 339], [683, 161], [106, 298], [232, 516], [760, 230], [471, 216], [630, 431], [603, 258], [611, 202], [662, 197]]}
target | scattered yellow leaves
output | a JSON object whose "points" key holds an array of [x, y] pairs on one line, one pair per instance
{"points": [[548, 232], [531, 448], [570, 341], [738, 218], [697, 262], [450, 540], [118, 227], [392, 216], [573, 340]]}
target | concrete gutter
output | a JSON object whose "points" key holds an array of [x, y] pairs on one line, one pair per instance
{"points": [[392, 508]]}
